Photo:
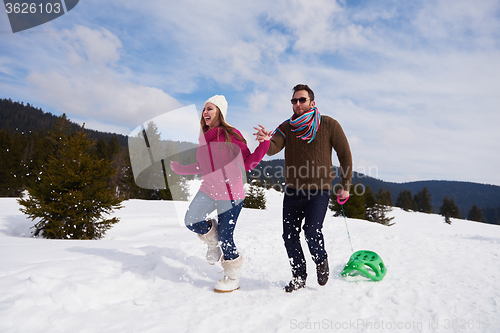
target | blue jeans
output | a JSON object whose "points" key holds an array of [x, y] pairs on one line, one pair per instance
{"points": [[227, 211], [311, 206]]}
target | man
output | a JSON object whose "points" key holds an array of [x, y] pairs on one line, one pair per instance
{"points": [[308, 138]]}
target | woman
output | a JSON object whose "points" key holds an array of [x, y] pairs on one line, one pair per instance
{"points": [[221, 152]]}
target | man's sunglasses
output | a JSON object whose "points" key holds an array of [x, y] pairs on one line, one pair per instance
{"points": [[301, 100]]}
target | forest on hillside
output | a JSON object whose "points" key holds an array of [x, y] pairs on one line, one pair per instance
{"points": [[29, 138], [465, 195], [24, 118]]}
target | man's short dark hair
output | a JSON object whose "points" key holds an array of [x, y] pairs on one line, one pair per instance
{"points": [[305, 87]]}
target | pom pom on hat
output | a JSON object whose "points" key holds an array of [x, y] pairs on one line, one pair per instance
{"points": [[220, 102]]}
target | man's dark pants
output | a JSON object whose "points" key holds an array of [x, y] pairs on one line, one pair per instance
{"points": [[311, 206]]}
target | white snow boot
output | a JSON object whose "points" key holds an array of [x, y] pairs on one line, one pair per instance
{"points": [[231, 279], [214, 252]]}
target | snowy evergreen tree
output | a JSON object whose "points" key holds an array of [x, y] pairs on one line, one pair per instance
{"points": [[370, 200], [384, 198], [405, 201], [475, 214], [11, 171], [255, 198], [378, 212], [355, 207], [449, 209], [365, 206], [423, 201], [71, 194]]}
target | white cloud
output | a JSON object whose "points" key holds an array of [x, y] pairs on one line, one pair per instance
{"points": [[100, 96], [460, 21], [87, 85], [95, 47]]}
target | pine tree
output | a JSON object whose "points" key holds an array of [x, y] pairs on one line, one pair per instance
{"points": [[71, 194], [378, 212], [355, 207], [127, 183], [405, 201], [267, 183], [422, 201], [36, 153], [105, 150], [384, 198], [255, 198], [449, 209], [475, 214], [370, 200], [11, 170], [491, 215]]}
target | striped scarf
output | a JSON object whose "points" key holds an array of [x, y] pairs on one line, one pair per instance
{"points": [[306, 126]]}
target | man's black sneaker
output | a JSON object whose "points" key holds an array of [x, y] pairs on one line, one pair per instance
{"points": [[323, 272], [296, 284]]}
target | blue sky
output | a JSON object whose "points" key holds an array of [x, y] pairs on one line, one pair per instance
{"points": [[415, 84]]}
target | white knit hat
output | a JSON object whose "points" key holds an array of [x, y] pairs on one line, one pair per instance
{"points": [[220, 102]]}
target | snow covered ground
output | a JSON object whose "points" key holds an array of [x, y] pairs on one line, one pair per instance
{"points": [[149, 275]]}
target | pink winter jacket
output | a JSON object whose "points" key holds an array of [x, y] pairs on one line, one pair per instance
{"points": [[219, 164]]}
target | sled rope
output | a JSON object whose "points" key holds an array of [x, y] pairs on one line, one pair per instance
{"points": [[341, 203]]}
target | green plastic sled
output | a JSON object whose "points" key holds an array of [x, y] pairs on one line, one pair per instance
{"points": [[366, 262]]}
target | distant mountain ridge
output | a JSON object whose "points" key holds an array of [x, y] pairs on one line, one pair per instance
{"points": [[465, 194]]}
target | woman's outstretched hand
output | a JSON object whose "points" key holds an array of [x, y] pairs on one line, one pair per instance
{"points": [[262, 134]]}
